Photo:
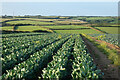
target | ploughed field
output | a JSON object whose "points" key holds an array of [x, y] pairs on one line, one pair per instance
{"points": [[41, 55]]}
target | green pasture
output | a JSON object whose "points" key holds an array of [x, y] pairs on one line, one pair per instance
{"points": [[31, 28], [88, 31], [2, 20], [115, 25], [28, 22], [66, 26], [93, 18], [7, 28], [26, 28], [68, 22], [35, 19], [110, 30], [98, 18]]}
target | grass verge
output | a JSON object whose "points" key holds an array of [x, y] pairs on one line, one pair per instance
{"points": [[111, 54]]}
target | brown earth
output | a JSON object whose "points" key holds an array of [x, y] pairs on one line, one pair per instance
{"points": [[88, 25], [110, 71], [95, 29]]}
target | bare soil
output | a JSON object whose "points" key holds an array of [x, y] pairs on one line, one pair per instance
{"points": [[88, 25], [111, 72]]}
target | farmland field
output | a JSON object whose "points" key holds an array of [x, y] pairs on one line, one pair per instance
{"points": [[7, 28], [28, 22], [43, 20], [110, 30], [38, 50], [69, 22], [50, 47], [2, 20], [67, 27], [25, 28], [86, 31], [111, 20], [99, 18], [31, 28]]}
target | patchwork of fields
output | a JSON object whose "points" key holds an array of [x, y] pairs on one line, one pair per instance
{"points": [[53, 47], [58, 25]]}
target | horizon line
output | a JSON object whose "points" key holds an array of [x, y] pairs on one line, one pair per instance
{"points": [[58, 15]]}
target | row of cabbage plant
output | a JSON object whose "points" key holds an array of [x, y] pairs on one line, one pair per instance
{"points": [[60, 66], [30, 68], [23, 54], [83, 66]]}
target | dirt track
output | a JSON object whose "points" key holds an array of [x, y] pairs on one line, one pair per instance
{"points": [[110, 71]]}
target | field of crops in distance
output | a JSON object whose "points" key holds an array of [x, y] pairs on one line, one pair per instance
{"points": [[31, 28], [7, 28], [47, 56], [21, 34], [85, 31], [95, 18], [26, 28], [28, 22], [43, 20], [67, 27], [98, 18], [2, 20], [69, 22], [110, 30]]}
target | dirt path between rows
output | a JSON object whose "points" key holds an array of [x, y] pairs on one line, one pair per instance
{"points": [[110, 71]]}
